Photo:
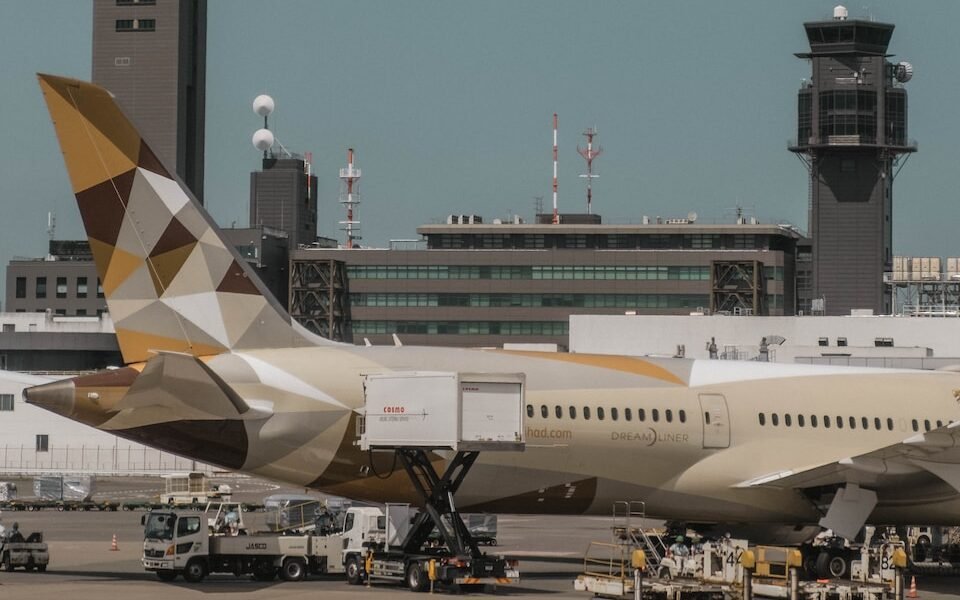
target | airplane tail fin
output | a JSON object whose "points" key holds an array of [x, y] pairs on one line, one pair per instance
{"points": [[171, 281]]}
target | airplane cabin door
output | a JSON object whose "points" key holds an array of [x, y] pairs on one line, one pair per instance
{"points": [[716, 421]]}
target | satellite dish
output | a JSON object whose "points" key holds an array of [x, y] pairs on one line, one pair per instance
{"points": [[262, 139], [903, 72], [263, 105], [692, 216]]}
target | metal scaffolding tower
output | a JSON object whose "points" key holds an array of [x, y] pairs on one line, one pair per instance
{"points": [[319, 298]]}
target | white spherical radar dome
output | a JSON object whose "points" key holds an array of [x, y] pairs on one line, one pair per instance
{"points": [[262, 139], [263, 105]]}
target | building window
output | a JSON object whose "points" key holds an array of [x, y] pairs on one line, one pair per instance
{"points": [[21, 287], [41, 287], [136, 25], [81, 312], [81, 287], [121, 61], [43, 442], [61, 287], [99, 288], [136, 2], [6, 401]]}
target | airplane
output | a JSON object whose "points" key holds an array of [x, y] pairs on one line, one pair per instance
{"points": [[215, 370]]}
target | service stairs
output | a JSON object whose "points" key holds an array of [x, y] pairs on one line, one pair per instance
{"points": [[628, 516]]}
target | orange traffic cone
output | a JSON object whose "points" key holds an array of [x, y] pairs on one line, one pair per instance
{"points": [[114, 548], [913, 588]]}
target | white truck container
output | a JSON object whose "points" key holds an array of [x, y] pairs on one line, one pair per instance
{"points": [[444, 410]]}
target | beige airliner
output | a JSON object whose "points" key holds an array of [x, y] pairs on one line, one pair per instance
{"points": [[216, 371]]}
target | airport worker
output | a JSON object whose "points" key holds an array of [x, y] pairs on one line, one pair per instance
{"points": [[679, 548]]}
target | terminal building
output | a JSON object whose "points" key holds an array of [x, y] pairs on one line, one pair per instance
{"points": [[478, 284]]}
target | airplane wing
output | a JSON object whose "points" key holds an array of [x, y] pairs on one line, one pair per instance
{"points": [[932, 454]]}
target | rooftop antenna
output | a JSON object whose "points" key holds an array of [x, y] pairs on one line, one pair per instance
{"points": [[556, 215], [349, 197], [537, 206], [263, 139], [588, 155], [51, 224]]}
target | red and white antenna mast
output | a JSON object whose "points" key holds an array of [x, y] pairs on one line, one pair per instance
{"points": [[556, 215], [589, 154], [350, 197]]}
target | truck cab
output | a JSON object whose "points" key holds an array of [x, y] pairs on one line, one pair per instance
{"points": [[174, 542]]}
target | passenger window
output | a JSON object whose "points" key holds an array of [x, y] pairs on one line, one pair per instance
{"points": [[786, 420], [826, 422], [939, 424], [655, 413], [600, 413], [706, 418], [530, 410], [628, 414], [683, 416], [926, 424], [889, 424], [543, 411], [800, 420], [865, 423], [813, 420], [762, 418], [775, 419], [853, 423], [348, 522], [641, 414], [613, 413], [586, 412], [669, 415], [916, 426], [839, 422], [558, 411], [573, 412]]}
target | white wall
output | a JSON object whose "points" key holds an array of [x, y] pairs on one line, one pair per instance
{"points": [[660, 335], [73, 447]]}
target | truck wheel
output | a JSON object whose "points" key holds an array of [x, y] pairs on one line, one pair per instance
{"points": [[293, 569], [354, 574], [195, 571], [416, 579], [167, 574], [42, 568]]}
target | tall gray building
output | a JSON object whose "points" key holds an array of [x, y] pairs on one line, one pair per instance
{"points": [[851, 131], [152, 55], [284, 196]]}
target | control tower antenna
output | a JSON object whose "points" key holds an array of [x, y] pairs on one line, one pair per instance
{"points": [[350, 197], [556, 215], [588, 155]]}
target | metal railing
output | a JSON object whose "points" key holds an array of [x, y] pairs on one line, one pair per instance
{"points": [[99, 460]]}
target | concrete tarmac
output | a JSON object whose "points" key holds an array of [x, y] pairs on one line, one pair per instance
{"points": [[83, 567]]}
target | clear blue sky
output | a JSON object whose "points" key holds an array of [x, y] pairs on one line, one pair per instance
{"points": [[449, 104]]}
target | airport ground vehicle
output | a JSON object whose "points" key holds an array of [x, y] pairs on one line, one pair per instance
{"points": [[29, 552], [194, 489], [183, 542]]}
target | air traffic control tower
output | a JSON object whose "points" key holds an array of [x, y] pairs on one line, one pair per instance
{"points": [[851, 134]]}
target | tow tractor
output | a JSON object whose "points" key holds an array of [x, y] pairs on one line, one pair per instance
{"points": [[413, 414], [29, 552]]}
